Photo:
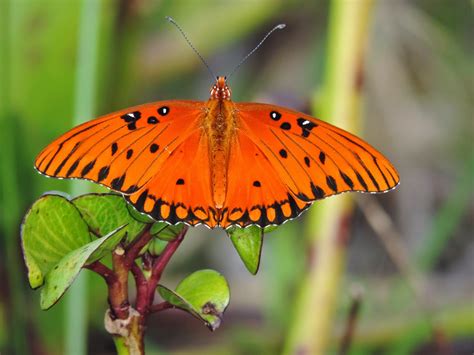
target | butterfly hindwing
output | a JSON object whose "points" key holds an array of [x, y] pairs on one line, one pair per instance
{"points": [[256, 194], [122, 150], [181, 192]]}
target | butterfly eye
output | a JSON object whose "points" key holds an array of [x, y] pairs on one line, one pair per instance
{"points": [[163, 111]]}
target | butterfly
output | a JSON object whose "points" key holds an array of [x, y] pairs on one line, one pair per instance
{"points": [[217, 162]]}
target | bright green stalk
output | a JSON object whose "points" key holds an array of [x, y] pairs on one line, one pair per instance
{"points": [[85, 91], [312, 325], [10, 195]]}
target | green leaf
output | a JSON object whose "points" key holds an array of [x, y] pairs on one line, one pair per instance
{"points": [[248, 242], [107, 247], [156, 246], [61, 276], [52, 228], [165, 231], [205, 294], [269, 229], [138, 216], [106, 212]]}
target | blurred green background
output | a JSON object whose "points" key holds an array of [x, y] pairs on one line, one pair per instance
{"points": [[409, 254]]}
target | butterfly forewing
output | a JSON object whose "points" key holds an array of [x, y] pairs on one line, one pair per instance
{"points": [[122, 150], [313, 158]]}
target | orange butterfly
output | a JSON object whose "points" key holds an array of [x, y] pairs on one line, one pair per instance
{"points": [[218, 163]]}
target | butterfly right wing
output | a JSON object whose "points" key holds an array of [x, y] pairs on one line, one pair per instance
{"points": [[122, 150]]}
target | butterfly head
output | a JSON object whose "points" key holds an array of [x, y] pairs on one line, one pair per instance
{"points": [[220, 90]]}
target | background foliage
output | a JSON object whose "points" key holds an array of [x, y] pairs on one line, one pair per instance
{"points": [[411, 268]]}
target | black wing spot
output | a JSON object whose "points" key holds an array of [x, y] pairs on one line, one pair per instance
{"points": [[286, 126], [303, 197], [114, 148], [140, 204], [154, 147], [317, 191], [322, 157], [117, 183], [87, 168], [163, 110], [103, 173], [306, 126], [72, 168], [331, 183], [153, 120], [283, 153], [129, 153], [362, 181], [347, 180], [132, 189], [307, 161], [180, 182], [131, 118], [257, 183], [275, 116]]}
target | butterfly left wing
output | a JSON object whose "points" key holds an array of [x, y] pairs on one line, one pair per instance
{"points": [[310, 158], [181, 192], [125, 149]]}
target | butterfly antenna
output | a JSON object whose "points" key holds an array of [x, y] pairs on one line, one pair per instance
{"points": [[170, 19], [277, 27]]}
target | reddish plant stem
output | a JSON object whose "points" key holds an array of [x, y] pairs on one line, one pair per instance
{"points": [[135, 247], [107, 274], [160, 264], [160, 307], [123, 261], [350, 324], [118, 291], [138, 275], [142, 288]]}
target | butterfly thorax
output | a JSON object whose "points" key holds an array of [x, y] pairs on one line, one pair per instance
{"points": [[220, 127]]}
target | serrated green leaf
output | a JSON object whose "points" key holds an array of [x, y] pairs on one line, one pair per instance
{"points": [[165, 231], [248, 242], [106, 212], [205, 294], [52, 228], [61, 276]]}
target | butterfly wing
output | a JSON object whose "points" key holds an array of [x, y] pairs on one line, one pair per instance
{"points": [[122, 150], [308, 159], [181, 192], [256, 194]]}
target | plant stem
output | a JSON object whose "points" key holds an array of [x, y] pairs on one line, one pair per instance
{"points": [[311, 326], [349, 331], [160, 264], [84, 102], [135, 247], [124, 322]]}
